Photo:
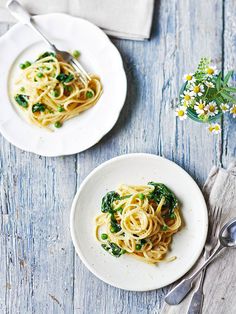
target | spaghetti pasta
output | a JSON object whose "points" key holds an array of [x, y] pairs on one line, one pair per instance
{"points": [[49, 91], [139, 220]]}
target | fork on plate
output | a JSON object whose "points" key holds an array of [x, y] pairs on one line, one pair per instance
{"points": [[19, 12]]}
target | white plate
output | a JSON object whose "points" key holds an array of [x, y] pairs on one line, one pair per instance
{"points": [[126, 272], [98, 56]]}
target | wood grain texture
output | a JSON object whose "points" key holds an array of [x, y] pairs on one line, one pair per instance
{"points": [[40, 272], [229, 49]]}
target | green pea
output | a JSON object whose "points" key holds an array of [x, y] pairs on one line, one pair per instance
{"points": [[89, 94], [113, 229], [172, 216], [76, 53], [60, 109], [104, 236], [40, 75], [141, 196], [164, 228], [27, 64], [55, 93], [22, 66], [68, 88], [138, 247], [22, 89], [57, 124]]}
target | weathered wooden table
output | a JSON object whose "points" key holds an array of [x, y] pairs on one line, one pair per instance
{"points": [[39, 270]]}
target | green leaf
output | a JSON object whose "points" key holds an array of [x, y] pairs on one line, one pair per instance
{"points": [[161, 190], [64, 78], [227, 77], [230, 89], [203, 64], [228, 97], [22, 100], [115, 225], [46, 54], [218, 81], [38, 107], [107, 201], [113, 249]]}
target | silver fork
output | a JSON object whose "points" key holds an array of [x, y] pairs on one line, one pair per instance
{"points": [[196, 303], [19, 12], [178, 293]]}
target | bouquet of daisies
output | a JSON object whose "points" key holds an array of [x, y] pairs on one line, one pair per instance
{"points": [[206, 95]]}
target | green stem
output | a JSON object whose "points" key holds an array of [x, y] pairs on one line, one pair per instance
{"points": [[204, 98]]}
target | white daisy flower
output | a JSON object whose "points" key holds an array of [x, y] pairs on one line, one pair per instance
{"points": [[224, 107], [212, 108], [214, 128], [233, 110], [200, 107], [189, 77], [187, 97], [211, 70], [209, 84], [197, 90], [181, 112]]}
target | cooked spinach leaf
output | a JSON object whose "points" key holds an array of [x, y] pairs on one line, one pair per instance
{"points": [[38, 107], [113, 249], [161, 190], [64, 78], [107, 201], [22, 100], [115, 227], [126, 196], [46, 54]]}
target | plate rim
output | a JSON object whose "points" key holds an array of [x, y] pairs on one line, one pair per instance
{"points": [[72, 150], [73, 210]]}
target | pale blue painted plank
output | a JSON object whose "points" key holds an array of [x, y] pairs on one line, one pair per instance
{"points": [[36, 193], [147, 124]]}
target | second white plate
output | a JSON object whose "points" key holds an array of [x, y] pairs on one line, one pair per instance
{"points": [[98, 56], [126, 272]]}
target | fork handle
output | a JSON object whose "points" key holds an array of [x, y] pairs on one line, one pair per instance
{"points": [[176, 295], [196, 303], [20, 13]]}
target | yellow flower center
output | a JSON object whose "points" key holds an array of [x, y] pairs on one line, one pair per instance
{"points": [[212, 108], [196, 89], [187, 97], [217, 127], [233, 110], [224, 108], [201, 106], [211, 128], [188, 77], [180, 113], [210, 71]]}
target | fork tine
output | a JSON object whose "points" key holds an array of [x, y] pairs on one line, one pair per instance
{"points": [[81, 69], [218, 221], [214, 219], [216, 216], [83, 80]]}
